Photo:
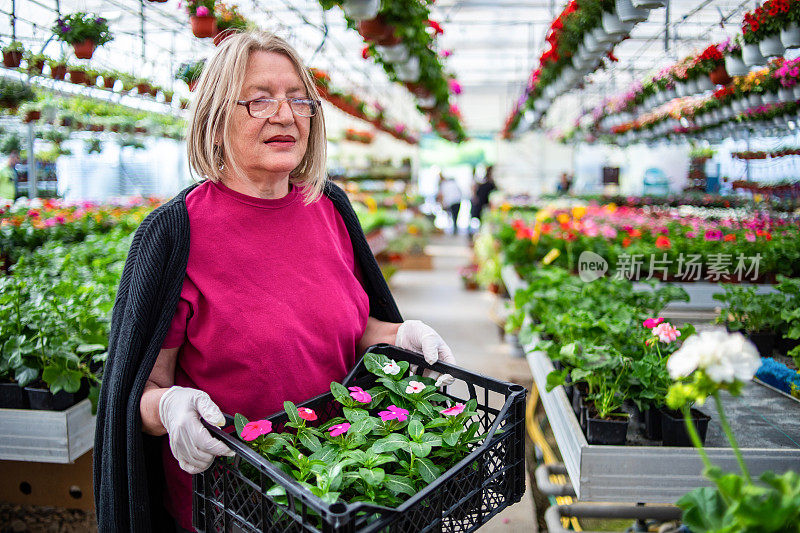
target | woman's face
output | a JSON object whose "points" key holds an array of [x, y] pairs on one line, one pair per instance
{"points": [[277, 144]]}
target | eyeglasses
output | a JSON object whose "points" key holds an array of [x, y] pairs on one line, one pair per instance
{"points": [[267, 107]]}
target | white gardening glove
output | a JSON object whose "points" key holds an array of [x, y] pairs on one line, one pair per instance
{"points": [[419, 337], [180, 409]]}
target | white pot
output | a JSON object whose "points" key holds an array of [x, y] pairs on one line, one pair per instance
{"points": [[691, 87], [577, 62], [771, 46], [426, 102], [602, 36], [785, 94], [796, 91], [628, 13], [408, 71], [754, 100], [704, 84], [540, 105], [397, 53], [790, 36], [670, 94], [738, 106], [751, 55], [769, 98], [590, 43], [612, 25], [680, 89], [649, 4], [361, 9], [735, 66]]}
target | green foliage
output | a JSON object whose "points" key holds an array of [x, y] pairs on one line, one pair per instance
{"points": [[14, 46], [745, 310], [13, 92], [190, 71], [78, 27]]}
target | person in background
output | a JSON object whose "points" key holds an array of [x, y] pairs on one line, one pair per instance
{"points": [[480, 198], [8, 177], [564, 184], [450, 199]]}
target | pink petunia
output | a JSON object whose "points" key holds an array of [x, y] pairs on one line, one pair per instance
{"points": [[713, 235], [415, 387], [360, 395], [666, 332], [253, 430], [457, 409], [202, 11], [650, 323], [751, 237], [394, 413], [339, 429], [306, 413]]}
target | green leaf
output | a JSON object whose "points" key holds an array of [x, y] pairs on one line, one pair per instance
{"points": [[239, 422], [390, 443], [291, 412], [450, 435], [555, 378], [25, 375], [426, 469], [327, 454], [372, 476], [399, 485], [415, 429], [431, 439], [703, 509], [420, 449], [308, 440], [62, 379], [88, 348], [354, 414], [363, 426], [341, 394], [426, 409]]}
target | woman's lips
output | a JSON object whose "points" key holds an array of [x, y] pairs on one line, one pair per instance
{"points": [[281, 141]]}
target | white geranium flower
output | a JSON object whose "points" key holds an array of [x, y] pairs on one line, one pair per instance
{"points": [[722, 356], [391, 367], [414, 387]]}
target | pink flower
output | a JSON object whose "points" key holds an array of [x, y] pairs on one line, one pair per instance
{"points": [[202, 11], [49, 222], [650, 323], [306, 413], [394, 413], [457, 409], [339, 429], [253, 430], [446, 53], [455, 87], [666, 332], [415, 387], [751, 237], [713, 235], [360, 395], [691, 235], [60, 219]]}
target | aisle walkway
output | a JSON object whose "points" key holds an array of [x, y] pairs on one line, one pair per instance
{"points": [[462, 318]]}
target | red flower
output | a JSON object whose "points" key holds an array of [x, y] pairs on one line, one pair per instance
{"points": [[626, 241], [729, 237], [662, 242], [365, 52], [435, 26]]}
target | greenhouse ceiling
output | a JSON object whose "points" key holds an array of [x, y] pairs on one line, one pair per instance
{"points": [[495, 45]]}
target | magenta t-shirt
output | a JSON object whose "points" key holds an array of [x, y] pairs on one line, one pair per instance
{"points": [[271, 308]]}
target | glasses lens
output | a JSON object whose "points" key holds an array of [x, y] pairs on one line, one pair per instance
{"points": [[264, 107], [304, 108]]}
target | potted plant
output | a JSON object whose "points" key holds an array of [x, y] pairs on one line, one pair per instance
{"points": [[184, 103], [84, 31], [359, 10], [30, 111], [143, 86], [35, 63], [128, 81], [77, 74], [757, 316], [167, 95], [775, 18], [13, 93], [201, 17], [753, 32], [12, 54], [58, 68], [189, 72], [229, 21], [790, 32], [91, 77]]}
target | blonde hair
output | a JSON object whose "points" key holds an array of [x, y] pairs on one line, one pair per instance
{"points": [[215, 97]]}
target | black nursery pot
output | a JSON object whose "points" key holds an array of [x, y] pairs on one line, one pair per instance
{"points": [[784, 345], [673, 428], [577, 401], [765, 342], [601, 431], [43, 400], [652, 423], [12, 396]]}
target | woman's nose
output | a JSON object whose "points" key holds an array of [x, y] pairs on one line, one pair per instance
{"points": [[284, 113]]}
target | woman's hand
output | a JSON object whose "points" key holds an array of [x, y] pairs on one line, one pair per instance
{"points": [[192, 445], [419, 337]]}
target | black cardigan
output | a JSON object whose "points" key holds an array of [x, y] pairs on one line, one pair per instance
{"points": [[128, 472]]}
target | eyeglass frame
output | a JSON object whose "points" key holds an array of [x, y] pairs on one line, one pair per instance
{"points": [[246, 104]]}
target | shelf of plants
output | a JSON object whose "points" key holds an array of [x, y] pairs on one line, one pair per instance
{"points": [[598, 348]]}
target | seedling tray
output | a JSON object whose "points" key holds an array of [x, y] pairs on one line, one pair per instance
{"points": [[489, 479]]}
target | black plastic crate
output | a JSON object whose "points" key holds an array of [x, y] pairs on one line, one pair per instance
{"points": [[489, 479]]}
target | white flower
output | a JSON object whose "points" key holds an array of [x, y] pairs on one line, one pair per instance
{"points": [[391, 367], [723, 356], [414, 387]]}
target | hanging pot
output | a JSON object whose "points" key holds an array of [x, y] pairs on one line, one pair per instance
{"points": [[602, 36], [12, 59], [590, 43], [785, 94], [769, 98], [796, 91], [790, 36], [628, 13], [649, 4], [771, 46], [408, 71], [361, 9], [397, 53], [751, 55], [375, 29], [84, 49], [671, 94], [754, 100], [36, 67], [612, 25], [108, 82], [719, 76], [203, 27], [681, 89], [735, 66], [704, 84], [77, 76]]}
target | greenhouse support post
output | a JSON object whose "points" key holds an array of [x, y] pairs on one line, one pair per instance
{"points": [[32, 192]]}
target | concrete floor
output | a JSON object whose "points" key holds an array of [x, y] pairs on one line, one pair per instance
{"points": [[462, 318]]}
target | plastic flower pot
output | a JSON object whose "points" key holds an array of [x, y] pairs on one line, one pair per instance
{"points": [[374, 29], [361, 9], [785, 94], [109, 81], [408, 71], [628, 13], [764, 341], [77, 76], [719, 76], [783, 345], [84, 49], [203, 27], [44, 400], [611, 431], [649, 4], [796, 91], [91, 80], [36, 67], [704, 84], [12, 59], [790, 36], [735, 66], [12, 396], [602, 36], [143, 88], [58, 72], [769, 98], [612, 25], [751, 55], [754, 100], [32, 115], [771, 46], [673, 427], [397, 53], [652, 423]]}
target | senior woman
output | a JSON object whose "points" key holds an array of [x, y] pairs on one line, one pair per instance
{"points": [[250, 288]]}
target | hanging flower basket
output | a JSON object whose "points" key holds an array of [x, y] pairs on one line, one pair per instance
{"points": [[771, 46], [790, 36], [84, 49], [84, 31], [628, 13], [375, 29], [751, 55], [203, 27], [361, 9], [12, 58], [719, 76], [734, 66], [32, 115], [35, 67], [649, 4], [612, 25], [143, 88]]}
